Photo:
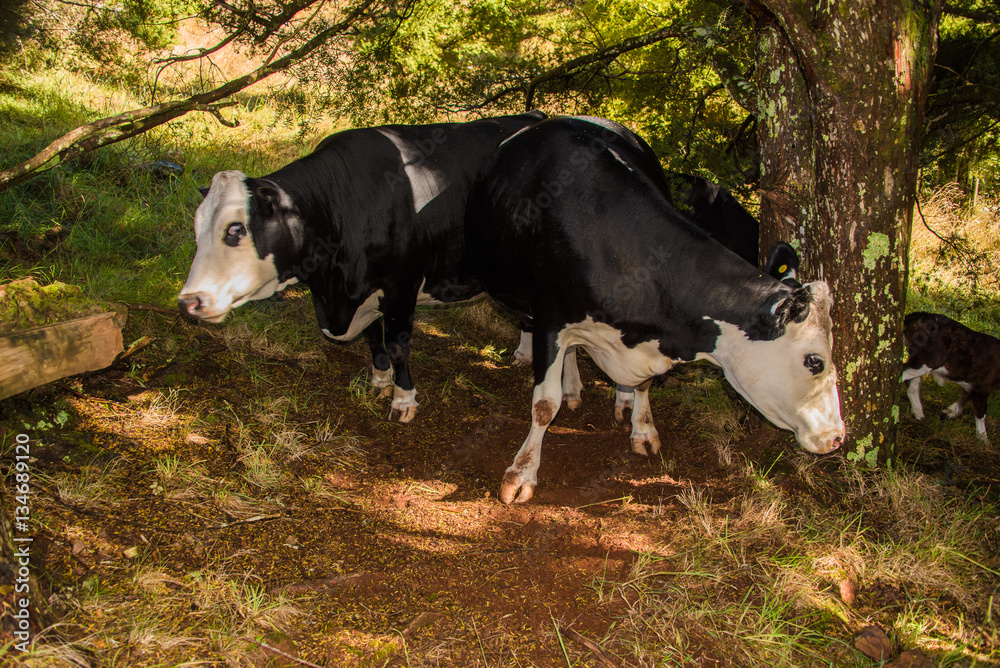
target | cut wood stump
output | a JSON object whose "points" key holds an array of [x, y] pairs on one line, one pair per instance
{"points": [[50, 332]]}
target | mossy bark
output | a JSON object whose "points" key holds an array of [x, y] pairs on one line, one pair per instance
{"points": [[842, 90]]}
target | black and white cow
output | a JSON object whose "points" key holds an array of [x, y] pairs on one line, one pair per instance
{"points": [[371, 221], [712, 208], [949, 350], [569, 233]]}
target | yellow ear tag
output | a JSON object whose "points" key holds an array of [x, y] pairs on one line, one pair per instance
{"points": [[783, 268]]}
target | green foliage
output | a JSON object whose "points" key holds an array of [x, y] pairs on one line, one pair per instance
{"points": [[962, 139], [480, 57]]}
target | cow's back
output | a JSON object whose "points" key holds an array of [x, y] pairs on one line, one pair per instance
{"points": [[623, 253], [395, 196]]}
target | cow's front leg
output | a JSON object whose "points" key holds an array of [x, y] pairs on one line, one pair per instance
{"points": [[521, 477], [572, 384], [912, 379], [399, 330], [381, 368], [643, 431]]}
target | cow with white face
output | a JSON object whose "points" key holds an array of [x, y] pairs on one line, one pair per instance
{"points": [[568, 232], [371, 221]]}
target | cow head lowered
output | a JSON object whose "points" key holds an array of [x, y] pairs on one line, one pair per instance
{"points": [[240, 228], [790, 378]]}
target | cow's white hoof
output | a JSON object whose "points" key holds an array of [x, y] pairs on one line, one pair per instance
{"points": [[919, 415], [639, 444], [516, 487], [572, 401], [403, 415], [404, 405]]}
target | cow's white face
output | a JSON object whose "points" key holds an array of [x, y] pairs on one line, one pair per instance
{"points": [[792, 379], [227, 270]]}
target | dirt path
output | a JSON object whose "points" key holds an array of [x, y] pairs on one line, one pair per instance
{"points": [[385, 544]]}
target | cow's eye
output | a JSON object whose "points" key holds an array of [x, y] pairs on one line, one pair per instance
{"points": [[234, 233], [814, 363]]}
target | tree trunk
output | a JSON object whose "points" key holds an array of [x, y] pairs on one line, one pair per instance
{"points": [[842, 89]]}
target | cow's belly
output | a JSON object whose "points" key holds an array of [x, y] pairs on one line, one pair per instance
{"points": [[625, 366]]}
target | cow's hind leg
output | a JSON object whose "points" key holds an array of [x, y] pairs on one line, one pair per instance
{"points": [[624, 399], [523, 355], [571, 383], [521, 477], [381, 368], [912, 379], [955, 409], [643, 431]]}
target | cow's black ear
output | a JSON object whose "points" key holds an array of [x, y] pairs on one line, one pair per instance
{"points": [[793, 308], [782, 263], [784, 307], [268, 194], [203, 190]]}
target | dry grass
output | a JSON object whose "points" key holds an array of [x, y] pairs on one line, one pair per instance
{"points": [[955, 259]]}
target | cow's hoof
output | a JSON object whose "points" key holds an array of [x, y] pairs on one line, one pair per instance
{"points": [[623, 401], [404, 405], [573, 402], [619, 417], [515, 488], [639, 445], [520, 359], [403, 415]]}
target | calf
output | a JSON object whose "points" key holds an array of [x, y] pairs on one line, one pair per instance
{"points": [[569, 231], [371, 221], [949, 350]]}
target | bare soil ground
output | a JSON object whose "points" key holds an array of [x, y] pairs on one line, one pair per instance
{"points": [[373, 543]]}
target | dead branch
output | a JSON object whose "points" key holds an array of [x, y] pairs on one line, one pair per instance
{"points": [[290, 657], [589, 644]]}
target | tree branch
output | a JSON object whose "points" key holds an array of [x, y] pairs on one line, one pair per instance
{"points": [[971, 14], [131, 123], [606, 55]]}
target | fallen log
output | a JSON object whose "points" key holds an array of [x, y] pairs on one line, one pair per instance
{"points": [[36, 356], [52, 331]]}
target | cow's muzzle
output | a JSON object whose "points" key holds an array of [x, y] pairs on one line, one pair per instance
{"points": [[191, 305]]}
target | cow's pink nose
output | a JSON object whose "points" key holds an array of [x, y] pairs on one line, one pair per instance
{"points": [[837, 442], [190, 304]]}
